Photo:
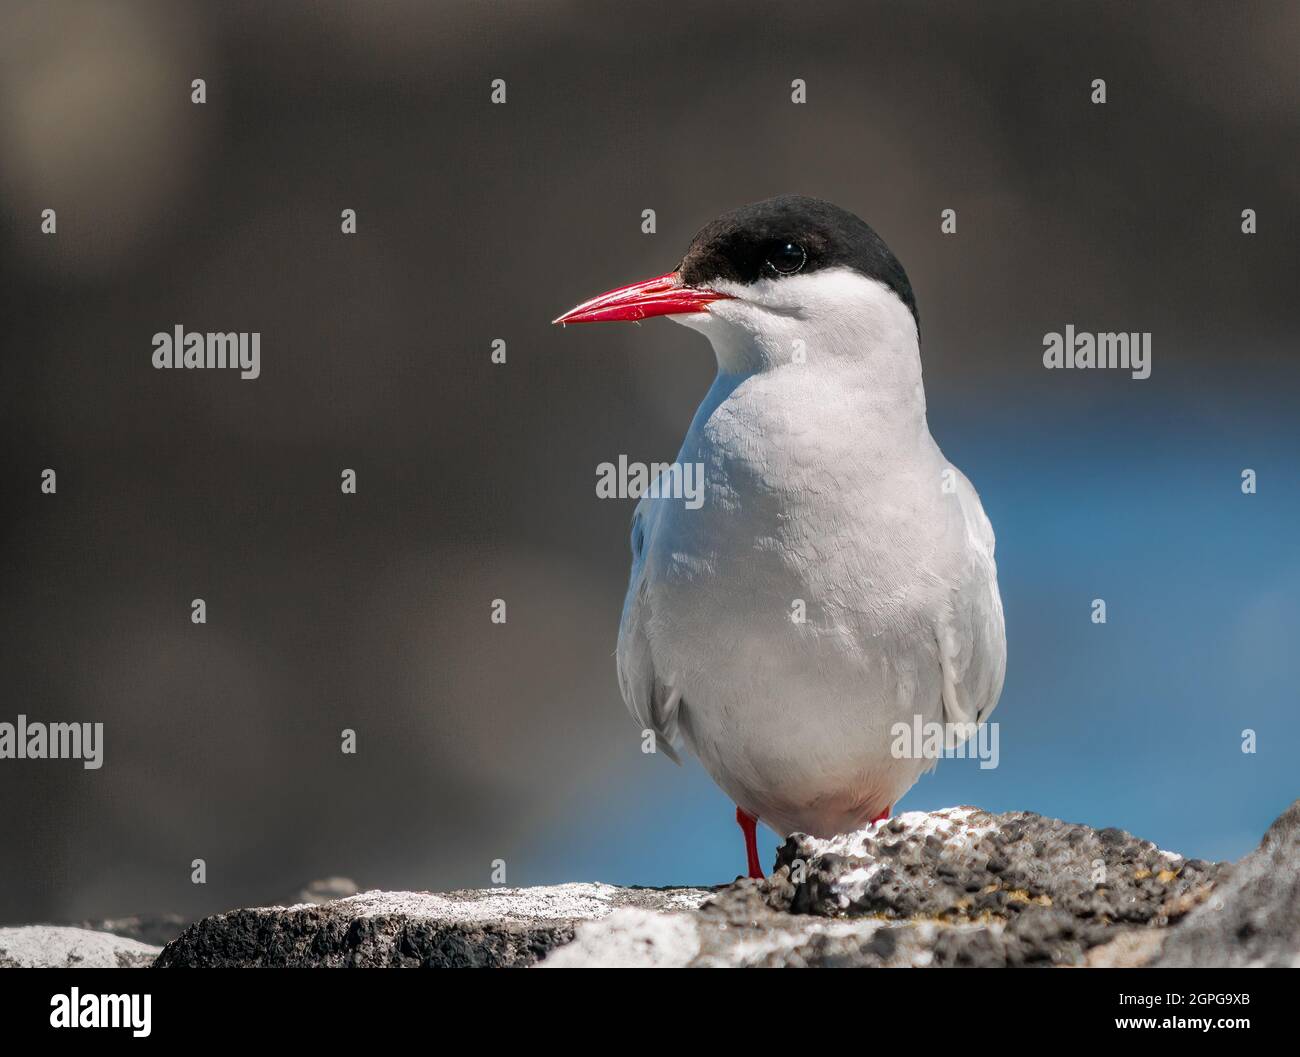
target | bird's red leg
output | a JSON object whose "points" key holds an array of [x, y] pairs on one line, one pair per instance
{"points": [[747, 824], [883, 815]]}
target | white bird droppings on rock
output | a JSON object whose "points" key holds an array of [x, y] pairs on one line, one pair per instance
{"points": [[576, 901], [630, 938]]}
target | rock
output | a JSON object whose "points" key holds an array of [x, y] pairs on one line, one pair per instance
{"points": [[1016, 889], [954, 887], [62, 947], [1131, 949], [1252, 918], [944, 888], [628, 938], [494, 927]]}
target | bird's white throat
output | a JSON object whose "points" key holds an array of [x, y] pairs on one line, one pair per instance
{"points": [[837, 328]]}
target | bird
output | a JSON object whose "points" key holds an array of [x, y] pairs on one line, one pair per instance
{"points": [[839, 577]]}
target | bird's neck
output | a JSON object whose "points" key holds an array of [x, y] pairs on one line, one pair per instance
{"points": [[855, 369]]}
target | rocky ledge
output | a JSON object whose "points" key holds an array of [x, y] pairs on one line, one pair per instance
{"points": [[65, 947], [953, 887], [492, 927]]}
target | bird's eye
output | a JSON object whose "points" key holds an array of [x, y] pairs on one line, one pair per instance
{"points": [[786, 258]]}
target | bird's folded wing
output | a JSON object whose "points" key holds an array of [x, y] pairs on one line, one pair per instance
{"points": [[970, 632], [651, 701]]}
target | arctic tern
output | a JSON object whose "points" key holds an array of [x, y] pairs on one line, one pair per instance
{"points": [[838, 579]]}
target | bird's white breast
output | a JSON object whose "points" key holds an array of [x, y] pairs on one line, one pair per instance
{"points": [[797, 614]]}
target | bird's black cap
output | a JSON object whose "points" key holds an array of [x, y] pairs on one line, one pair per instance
{"points": [[787, 235]]}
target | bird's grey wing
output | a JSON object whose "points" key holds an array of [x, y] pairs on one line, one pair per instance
{"points": [[970, 630], [653, 704]]}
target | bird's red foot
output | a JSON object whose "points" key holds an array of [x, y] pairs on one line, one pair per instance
{"points": [[883, 815], [748, 825]]}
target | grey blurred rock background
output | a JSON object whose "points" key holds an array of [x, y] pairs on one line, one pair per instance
{"points": [[1252, 917], [478, 222]]}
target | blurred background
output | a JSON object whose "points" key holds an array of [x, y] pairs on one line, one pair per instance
{"points": [[477, 741]]}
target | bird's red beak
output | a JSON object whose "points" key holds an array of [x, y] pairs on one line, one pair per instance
{"points": [[664, 295]]}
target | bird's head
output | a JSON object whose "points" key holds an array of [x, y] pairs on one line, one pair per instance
{"points": [[762, 279]]}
